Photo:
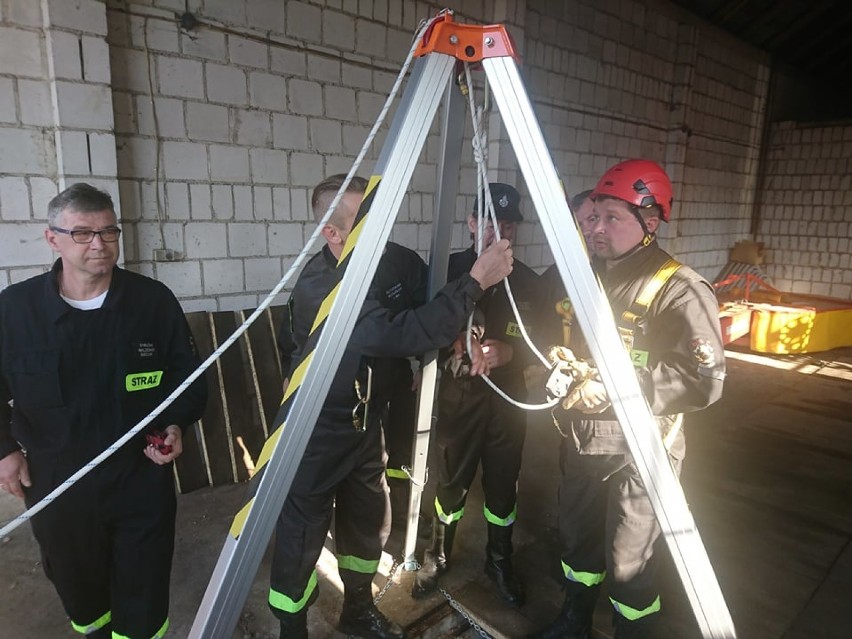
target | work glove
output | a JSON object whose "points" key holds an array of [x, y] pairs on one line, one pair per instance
{"points": [[566, 371], [576, 381], [588, 397]]}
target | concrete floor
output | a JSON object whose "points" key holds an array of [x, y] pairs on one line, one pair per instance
{"points": [[768, 476]]}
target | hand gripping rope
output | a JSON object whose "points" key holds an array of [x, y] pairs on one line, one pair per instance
{"points": [[480, 156], [294, 268]]}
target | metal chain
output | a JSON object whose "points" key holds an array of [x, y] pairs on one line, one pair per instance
{"points": [[388, 583], [455, 605]]}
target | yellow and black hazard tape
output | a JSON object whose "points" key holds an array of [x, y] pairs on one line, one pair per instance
{"points": [[301, 368]]}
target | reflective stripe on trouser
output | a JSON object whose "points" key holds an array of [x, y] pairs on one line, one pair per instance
{"points": [[585, 578], [491, 518], [476, 427], [157, 635], [396, 473], [447, 518], [97, 624], [107, 544], [342, 471], [607, 526], [282, 602], [632, 614]]}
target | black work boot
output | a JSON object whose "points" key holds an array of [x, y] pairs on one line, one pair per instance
{"points": [[575, 620], [294, 626], [361, 618], [436, 560], [498, 565]]}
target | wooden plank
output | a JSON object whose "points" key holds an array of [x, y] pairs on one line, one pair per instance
{"points": [[219, 455], [191, 466], [278, 314], [243, 427], [266, 366]]}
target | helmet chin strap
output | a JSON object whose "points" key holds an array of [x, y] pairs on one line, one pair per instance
{"points": [[648, 236]]}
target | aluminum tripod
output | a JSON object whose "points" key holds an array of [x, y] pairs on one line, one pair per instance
{"points": [[445, 44]]}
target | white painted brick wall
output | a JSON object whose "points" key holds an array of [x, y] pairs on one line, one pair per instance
{"points": [[246, 239], [226, 84], [268, 91], [223, 276], [180, 77], [268, 166], [185, 160], [251, 117], [21, 53], [207, 122], [228, 163], [806, 212]]}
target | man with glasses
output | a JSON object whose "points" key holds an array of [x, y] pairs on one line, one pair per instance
{"points": [[343, 469], [87, 350]]}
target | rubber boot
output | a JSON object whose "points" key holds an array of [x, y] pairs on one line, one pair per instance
{"points": [[498, 565], [436, 560], [295, 626], [642, 628], [361, 618], [575, 620]]}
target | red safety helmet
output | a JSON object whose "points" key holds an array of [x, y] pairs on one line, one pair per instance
{"points": [[640, 182]]}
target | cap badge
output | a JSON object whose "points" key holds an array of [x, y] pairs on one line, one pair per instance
{"points": [[503, 201]]}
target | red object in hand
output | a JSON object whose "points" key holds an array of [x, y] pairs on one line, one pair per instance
{"points": [[157, 439]]}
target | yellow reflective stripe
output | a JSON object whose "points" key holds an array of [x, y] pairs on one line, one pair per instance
{"points": [[298, 376], [355, 233], [352, 239], [325, 308], [158, 635], [265, 453], [500, 521], [585, 578], [240, 519], [632, 614], [142, 381], [280, 601], [268, 447], [444, 517], [396, 473], [356, 564], [657, 282], [86, 628]]}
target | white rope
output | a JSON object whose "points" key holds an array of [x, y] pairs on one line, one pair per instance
{"points": [[296, 266], [480, 156]]}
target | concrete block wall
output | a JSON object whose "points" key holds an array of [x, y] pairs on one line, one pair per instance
{"points": [[55, 119], [620, 79], [222, 132], [806, 209], [219, 134]]}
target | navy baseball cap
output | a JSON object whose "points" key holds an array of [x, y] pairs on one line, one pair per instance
{"points": [[506, 201]]}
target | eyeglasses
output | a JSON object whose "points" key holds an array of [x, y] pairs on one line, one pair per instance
{"points": [[87, 236]]}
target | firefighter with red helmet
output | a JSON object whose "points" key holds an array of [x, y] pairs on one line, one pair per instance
{"points": [[667, 315]]}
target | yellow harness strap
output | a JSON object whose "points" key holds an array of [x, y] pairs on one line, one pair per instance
{"points": [[636, 313]]}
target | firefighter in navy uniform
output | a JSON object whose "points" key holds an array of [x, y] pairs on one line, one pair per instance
{"points": [[667, 315], [343, 470], [399, 284], [475, 425], [86, 351]]}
